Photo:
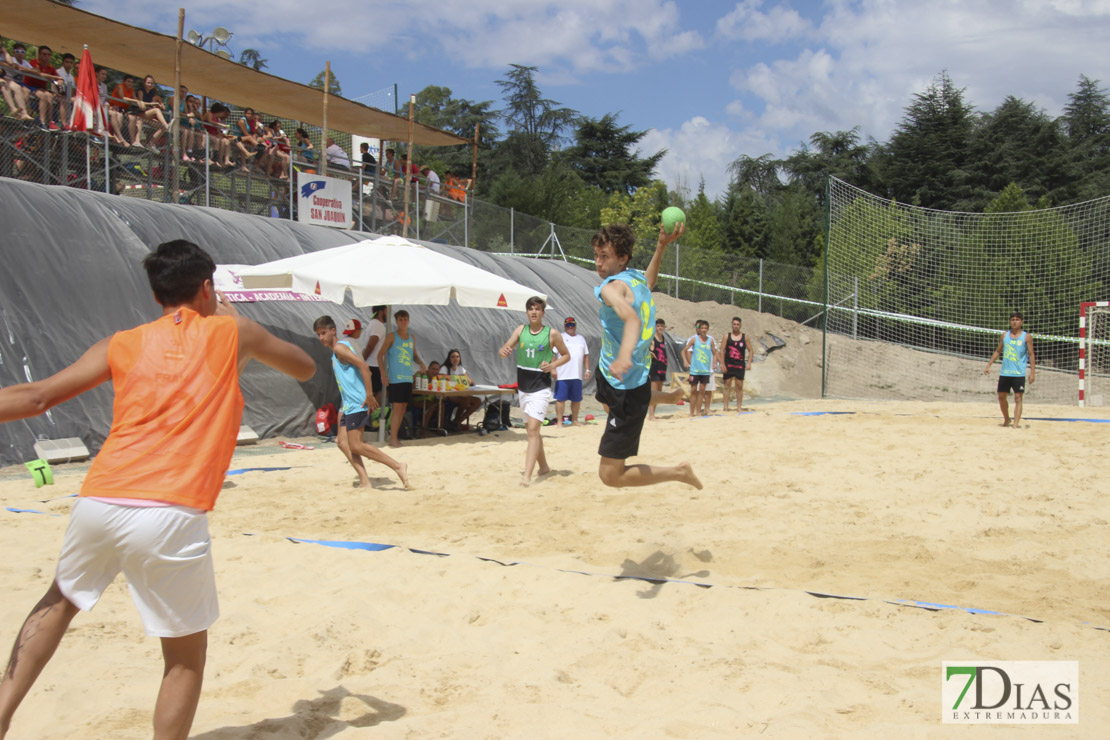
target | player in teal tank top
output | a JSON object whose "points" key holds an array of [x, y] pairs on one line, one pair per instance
{"points": [[1016, 349], [395, 359], [534, 365], [627, 315], [353, 376]]}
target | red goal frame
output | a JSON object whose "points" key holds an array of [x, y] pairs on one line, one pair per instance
{"points": [[1083, 307]]}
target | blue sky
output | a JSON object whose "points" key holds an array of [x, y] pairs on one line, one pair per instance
{"points": [[709, 80]]}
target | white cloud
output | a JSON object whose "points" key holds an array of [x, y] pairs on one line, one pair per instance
{"points": [[746, 22], [868, 58], [577, 35], [700, 148]]}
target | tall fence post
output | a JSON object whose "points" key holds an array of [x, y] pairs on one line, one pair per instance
{"points": [[512, 229], [760, 303], [466, 220], [677, 262], [208, 169], [107, 166], [855, 307]]}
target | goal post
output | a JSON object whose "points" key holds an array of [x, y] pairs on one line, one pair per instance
{"points": [[1094, 353]]}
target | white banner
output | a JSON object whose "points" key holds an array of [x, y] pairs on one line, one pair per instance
{"points": [[323, 201], [227, 281]]}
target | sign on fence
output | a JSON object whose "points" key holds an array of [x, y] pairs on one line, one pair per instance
{"points": [[323, 201]]}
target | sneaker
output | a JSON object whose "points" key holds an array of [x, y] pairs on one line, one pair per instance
{"points": [[53, 126]]}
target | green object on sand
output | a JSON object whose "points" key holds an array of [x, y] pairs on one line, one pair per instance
{"points": [[672, 215]]}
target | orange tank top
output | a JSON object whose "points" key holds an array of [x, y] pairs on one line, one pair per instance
{"points": [[176, 413]]}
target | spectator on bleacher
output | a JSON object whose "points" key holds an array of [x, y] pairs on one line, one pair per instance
{"points": [[121, 93], [369, 164], [192, 128], [41, 85], [337, 156], [68, 73], [16, 94], [147, 105], [305, 150], [431, 208], [246, 137], [389, 164], [113, 118], [219, 141], [279, 148]]}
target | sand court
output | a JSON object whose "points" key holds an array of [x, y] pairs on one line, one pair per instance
{"points": [[531, 619]]}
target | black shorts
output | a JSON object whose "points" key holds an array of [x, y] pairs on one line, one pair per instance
{"points": [[734, 372], [399, 392], [357, 420], [658, 373], [699, 380], [627, 411], [1015, 383], [376, 378]]}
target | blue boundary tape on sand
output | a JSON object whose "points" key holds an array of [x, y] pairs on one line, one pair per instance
{"points": [[926, 605], [14, 510], [1050, 418], [820, 413], [240, 471]]}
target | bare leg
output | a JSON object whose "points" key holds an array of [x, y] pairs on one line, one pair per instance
{"points": [[739, 394], [534, 453], [706, 401], [725, 393], [33, 648], [559, 406], [353, 444], [1004, 402], [656, 387], [181, 683], [396, 416], [1017, 409], [369, 451], [615, 474], [575, 407], [695, 400]]}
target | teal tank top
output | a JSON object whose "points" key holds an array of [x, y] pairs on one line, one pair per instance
{"points": [[351, 388], [612, 330], [701, 357], [1015, 355], [400, 359]]}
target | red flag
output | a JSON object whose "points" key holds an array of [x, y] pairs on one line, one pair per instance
{"points": [[87, 114]]}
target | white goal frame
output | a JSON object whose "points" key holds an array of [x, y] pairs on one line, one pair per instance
{"points": [[1086, 310]]}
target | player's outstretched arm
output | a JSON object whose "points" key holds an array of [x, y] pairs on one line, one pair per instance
{"points": [[31, 399], [258, 344], [652, 273]]}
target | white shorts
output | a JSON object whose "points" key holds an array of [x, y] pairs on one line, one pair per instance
{"points": [[712, 384], [534, 404], [164, 552]]}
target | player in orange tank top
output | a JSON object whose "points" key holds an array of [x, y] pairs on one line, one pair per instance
{"points": [[175, 420]]}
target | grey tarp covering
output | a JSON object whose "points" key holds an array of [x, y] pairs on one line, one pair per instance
{"points": [[71, 275]]}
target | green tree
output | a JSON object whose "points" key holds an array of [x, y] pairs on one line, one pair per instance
{"points": [[435, 106], [1015, 143], [761, 174], [703, 223], [602, 154], [1086, 120], [793, 226], [536, 125], [253, 58], [930, 148], [839, 154], [333, 83], [745, 222]]}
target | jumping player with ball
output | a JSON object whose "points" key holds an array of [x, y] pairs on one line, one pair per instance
{"points": [[628, 324]]}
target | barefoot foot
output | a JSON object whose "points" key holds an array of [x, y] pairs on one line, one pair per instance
{"points": [[686, 475], [403, 474]]}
